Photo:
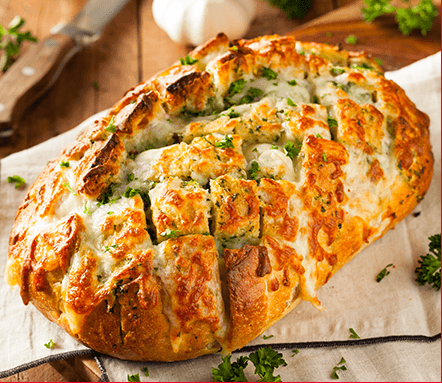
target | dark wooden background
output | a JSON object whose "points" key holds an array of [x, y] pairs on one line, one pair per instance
{"points": [[133, 48]]}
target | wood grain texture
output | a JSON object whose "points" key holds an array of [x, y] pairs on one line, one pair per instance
{"points": [[133, 48]]}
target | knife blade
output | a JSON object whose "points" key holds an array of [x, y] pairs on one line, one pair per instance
{"points": [[36, 71]]}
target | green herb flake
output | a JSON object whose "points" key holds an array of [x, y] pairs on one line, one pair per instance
{"points": [[353, 334], [107, 249], [130, 177], [95, 85], [318, 135], [133, 378], [86, 210], [254, 169], [188, 60], [252, 93], [336, 71], [292, 82], [338, 368], [329, 34], [265, 337], [50, 344], [17, 180], [295, 352], [378, 61], [384, 272], [351, 39], [292, 149], [290, 102], [170, 233], [269, 74], [236, 87], [324, 156], [332, 123], [111, 127], [362, 66], [225, 143], [234, 48], [64, 164], [146, 371], [67, 186]]}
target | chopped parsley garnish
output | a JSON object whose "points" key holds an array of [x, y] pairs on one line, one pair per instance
{"points": [[133, 378], [95, 85], [86, 210], [274, 147], [234, 48], [351, 39], [50, 344], [111, 127], [254, 169], [236, 87], [315, 99], [269, 74], [129, 193], [337, 71], [265, 337], [362, 66], [292, 82], [292, 149], [188, 60], [18, 181], [107, 249], [146, 371], [429, 265], [225, 143], [353, 334], [378, 61], [64, 164], [290, 102], [384, 272], [67, 186], [329, 34], [295, 352], [252, 93], [130, 177], [110, 212], [318, 135], [265, 361], [332, 123], [338, 368], [324, 156], [170, 233], [233, 114]]}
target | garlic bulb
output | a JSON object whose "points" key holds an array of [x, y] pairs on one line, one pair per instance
{"points": [[192, 22]]}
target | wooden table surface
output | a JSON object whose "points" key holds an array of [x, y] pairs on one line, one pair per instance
{"points": [[133, 48]]}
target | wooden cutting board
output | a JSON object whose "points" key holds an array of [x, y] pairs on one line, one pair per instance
{"points": [[381, 38]]}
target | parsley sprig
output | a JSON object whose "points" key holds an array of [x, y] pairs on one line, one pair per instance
{"points": [[188, 60], [338, 368], [265, 361], [408, 18], [19, 182], [384, 272], [50, 344], [225, 143], [292, 149], [429, 265], [11, 40]]}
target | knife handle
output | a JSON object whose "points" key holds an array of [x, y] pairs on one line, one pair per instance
{"points": [[31, 76]]}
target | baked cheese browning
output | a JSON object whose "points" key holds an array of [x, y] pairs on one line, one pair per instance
{"points": [[99, 165], [124, 232], [246, 269], [137, 115], [284, 285], [212, 156], [362, 127], [261, 124], [180, 208], [188, 268], [236, 208], [201, 160], [222, 125], [280, 200], [323, 192], [304, 120]]}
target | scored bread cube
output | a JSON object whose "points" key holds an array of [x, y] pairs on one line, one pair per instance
{"points": [[179, 208], [236, 208], [189, 271]]}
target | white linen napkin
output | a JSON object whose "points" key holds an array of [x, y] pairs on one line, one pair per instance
{"points": [[352, 298]]}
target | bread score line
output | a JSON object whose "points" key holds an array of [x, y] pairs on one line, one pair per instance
{"points": [[218, 195]]}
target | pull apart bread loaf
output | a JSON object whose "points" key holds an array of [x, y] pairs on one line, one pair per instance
{"points": [[218, 195]]}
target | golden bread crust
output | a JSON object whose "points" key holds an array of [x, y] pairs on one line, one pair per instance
{"points": [[216, 196]]}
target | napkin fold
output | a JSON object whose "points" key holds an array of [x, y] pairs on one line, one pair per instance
{"points": [[398, 320]]}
